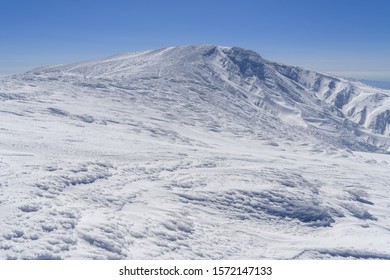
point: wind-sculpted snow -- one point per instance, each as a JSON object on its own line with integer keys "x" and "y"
{"x": 263, "y": 206}
{"x": 190, "y": 153}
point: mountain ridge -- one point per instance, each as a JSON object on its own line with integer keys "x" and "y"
{"x": 294, "y": 94}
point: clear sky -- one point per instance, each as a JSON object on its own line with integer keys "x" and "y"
{"x": 350, "y": 38}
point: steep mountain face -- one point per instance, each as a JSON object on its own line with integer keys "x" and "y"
{"x": 192, "y": 152}
{"x": 359, "y": 103}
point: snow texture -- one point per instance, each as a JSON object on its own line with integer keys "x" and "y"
{"x": 193, "y": 152}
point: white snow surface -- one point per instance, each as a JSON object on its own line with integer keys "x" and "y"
{"x": 192, "y": 152}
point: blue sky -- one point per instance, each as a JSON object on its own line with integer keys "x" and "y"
{"x": 350, "y": 38}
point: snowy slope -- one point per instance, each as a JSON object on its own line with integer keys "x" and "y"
{"x": 192, "y": 152}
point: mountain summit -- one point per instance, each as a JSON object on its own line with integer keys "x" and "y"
{"x": 192, "y": 152}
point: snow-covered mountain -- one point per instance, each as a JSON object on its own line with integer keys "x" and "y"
{"x": 192, "y": 152}
{"x": 317, "y": 102}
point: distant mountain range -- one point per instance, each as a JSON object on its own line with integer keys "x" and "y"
{"x": 378, "y": 84}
